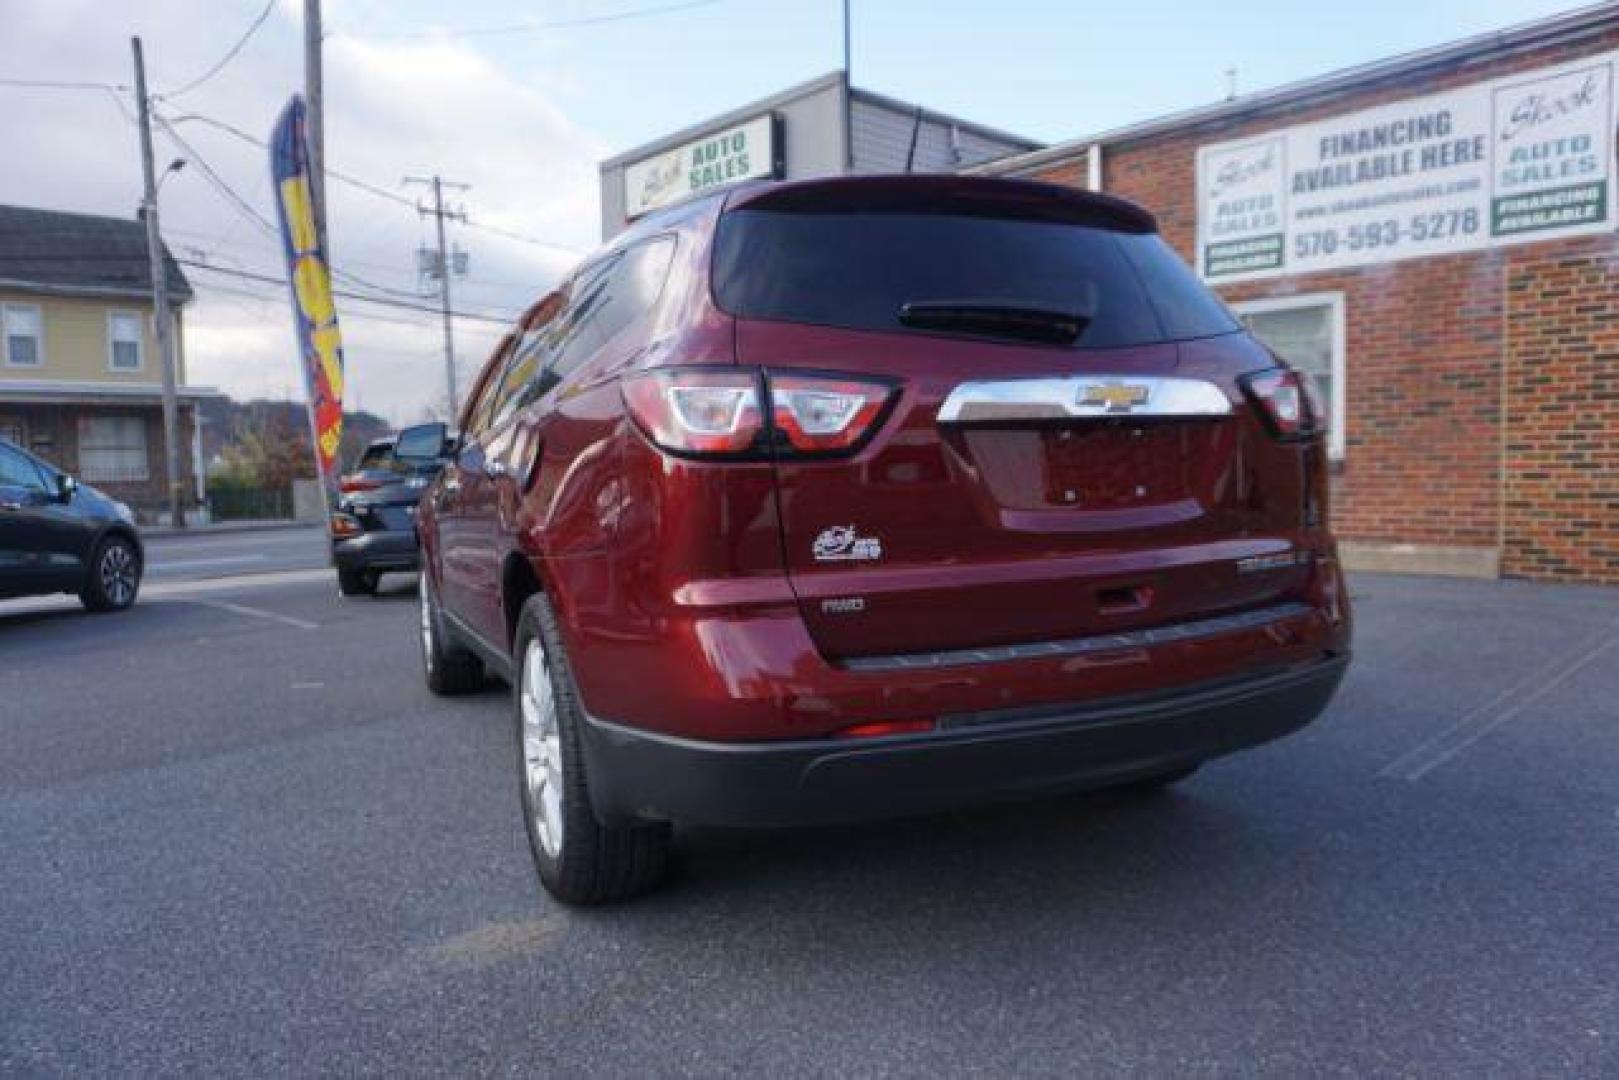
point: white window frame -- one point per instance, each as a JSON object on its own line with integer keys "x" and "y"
{"x": 138, "y": 473}
{"x": 140, "y": 342}
{"x": 5, "y": 336}
{"x": 1338, "y": 407}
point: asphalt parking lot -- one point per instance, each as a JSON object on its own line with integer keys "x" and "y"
{"x": 238, "y": 836}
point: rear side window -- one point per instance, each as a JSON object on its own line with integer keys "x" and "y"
{"x": 617, "y": 300}
{"x": 857, "y": 270}
{"x": 600, "y": 302}
{"x": 375, "y": 457}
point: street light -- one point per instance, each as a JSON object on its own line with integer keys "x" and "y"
{"x": 174, "y": 166}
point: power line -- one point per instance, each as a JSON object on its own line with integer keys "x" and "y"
{"x": 50, "y": 84}
{"x": 350, "y": 316}
{"x": 532, "y": 25}
{"x": 245, "y": 208}
{"x": 496, "y": 230}
{"x": 242, "y": 205}
{"x": 228, "y": 57}
{"x": 377, "y": 190}
{"x": 251, "y": 275}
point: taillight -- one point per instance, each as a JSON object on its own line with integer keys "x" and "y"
{"x": 738, "y": 412}
{"x": 1290, "y": 404}
{"x": 345, "y": 526}
{"x": 819, "y": 415}
{"x": 359, "y": 483}
{"x": 687, "y": 411}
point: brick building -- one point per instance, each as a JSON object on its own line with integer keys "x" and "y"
{"x": 1433, "y": 236}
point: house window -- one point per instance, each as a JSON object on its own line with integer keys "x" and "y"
{"x": 1308, "y": 332}
{"x": 112, "y": 449}
{"x": 25, "y": 338}
{"x": 125, "y": 348}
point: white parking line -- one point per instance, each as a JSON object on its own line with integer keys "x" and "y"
{"x": 193, "y": 564}
{"x": 237, "y": 583}
{"x": 258, "y": 613}
{"x": 1418, "y": 762}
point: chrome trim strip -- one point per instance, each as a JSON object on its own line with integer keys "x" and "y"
{"x": 1127, "y": 639}
{"x": 1082, "y": 397}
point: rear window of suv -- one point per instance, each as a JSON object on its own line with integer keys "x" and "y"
{"x": 857, "y": 269}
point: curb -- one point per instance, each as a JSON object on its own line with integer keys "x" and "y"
{"x": 152, "y": 532}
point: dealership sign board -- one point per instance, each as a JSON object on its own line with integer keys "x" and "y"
{"x": 743, "y": 152}
{"x": 1525, "y": 157}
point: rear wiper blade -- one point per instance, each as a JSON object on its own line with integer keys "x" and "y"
{"x": 1001, "y": 318}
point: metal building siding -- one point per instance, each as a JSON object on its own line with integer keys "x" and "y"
{"x": 882, "y": 139}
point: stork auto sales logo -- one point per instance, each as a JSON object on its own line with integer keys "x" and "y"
{"x": 659, "y": 183}
{"x": 1240, "y": 170}
{"x": 1538, "y": 108}
{"x": 1553, "y": 155}
{"x": 842, "y": 543}
{"x": 1242, "y": 198}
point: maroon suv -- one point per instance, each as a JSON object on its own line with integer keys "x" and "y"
{"x": 825, "y": 500}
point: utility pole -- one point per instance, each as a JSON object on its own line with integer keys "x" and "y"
{"x": 443, "y": 264}
{"x": 160, "y": 298}
{"x": 315, "y": 103}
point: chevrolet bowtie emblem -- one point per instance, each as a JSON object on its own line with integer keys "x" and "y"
{"x": 1114, "y": 397}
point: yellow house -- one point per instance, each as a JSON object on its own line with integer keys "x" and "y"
{"x": 81, "y": 377}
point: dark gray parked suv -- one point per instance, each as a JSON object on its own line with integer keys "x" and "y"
{"x": 374, "y": 528}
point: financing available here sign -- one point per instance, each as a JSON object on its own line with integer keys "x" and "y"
{"x": 1524, "y": 157}
{"x": 743, "y": 152}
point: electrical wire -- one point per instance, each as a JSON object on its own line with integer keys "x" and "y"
{"x": 280, "y": 301}
{"x": 252, "y": 275}
{"x": 51, "y": 84}
{"x": 229, "y": 55}
{"x": 376, "y": 190}
{"x": 533, "y": 26}
{"x": 245, "y": 208}
{"x": 241, "y": 205}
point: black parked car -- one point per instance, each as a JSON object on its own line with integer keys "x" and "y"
{"x": 60, "y": 536}
{"x": 374, "y": 529}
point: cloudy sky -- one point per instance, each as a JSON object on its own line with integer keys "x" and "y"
{"x": 521, "y": 99}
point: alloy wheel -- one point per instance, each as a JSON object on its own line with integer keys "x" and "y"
{"x": 425, "y": 597}
{"x": 119, "y": 574}
{"x": 542, "y": 747}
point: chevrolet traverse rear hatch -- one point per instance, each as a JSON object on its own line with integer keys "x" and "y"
{"x": 1022, "y": 417}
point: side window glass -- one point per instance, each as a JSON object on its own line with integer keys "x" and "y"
{"x": 627, "y": 293}
{"x": 17, "y": 471}
{"x": 478, "y": 416}
{"x": 526, "y": 376}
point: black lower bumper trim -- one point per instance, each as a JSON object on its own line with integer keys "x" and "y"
{"x": 636, "y": 774}
{"x": 383, "y": 550}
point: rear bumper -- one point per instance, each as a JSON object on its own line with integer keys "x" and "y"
{"x": 381, "y": 550}
{"x": 972, "y": 757}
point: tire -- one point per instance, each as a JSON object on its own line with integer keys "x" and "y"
{"x": 580, "y": 861}
{"x": 356, "y": 583}
{"x": 114, "y": 577}
{"x": 447, "y": 668}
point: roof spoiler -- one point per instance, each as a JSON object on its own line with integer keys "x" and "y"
{"x": 976, "y": 196}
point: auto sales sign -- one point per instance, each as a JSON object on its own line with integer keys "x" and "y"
{"x": 739, "y": 153}
{"x": 1525, "y": 157}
